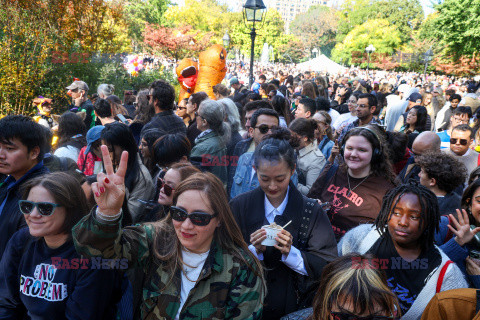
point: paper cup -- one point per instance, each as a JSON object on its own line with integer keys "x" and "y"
{"x": 271, "y": 235}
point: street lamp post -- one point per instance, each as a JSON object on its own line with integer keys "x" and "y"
{"x": 427, "y": 58}
{"x": 226, "y": 41}
{"x": 253, "y": 11}
{"x": 370, "y": 49}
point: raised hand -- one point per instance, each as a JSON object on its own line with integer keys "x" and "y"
{"x": 463, "y": 233}
{"x": 109, "y": 190}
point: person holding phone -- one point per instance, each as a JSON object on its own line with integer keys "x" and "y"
{"x": 78, "y": 90}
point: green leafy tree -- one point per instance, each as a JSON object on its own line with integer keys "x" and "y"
{"x": 140, "y": 13}
{"x": 383, "y": 36}
{"x": 455, "y": 27}
{"x": 291, "y": 52}
{"x": 317, "y": 28}
{"x": 406, "y": 15}
{"x": 270, "y": 31}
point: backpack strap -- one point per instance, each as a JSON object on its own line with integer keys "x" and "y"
{"x": 442, "y": 275}
{"x": 308, "y": 205}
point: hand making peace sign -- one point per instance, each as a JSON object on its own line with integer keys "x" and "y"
{"x": 109, "y": 190}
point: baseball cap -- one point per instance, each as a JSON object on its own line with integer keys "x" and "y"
{"x": 93, "y": 135}
{"x": 78, "y": 85}
{"x": 414, "y": 97}
{"x": 233, "y": 81}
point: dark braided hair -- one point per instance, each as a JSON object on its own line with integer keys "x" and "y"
{"x": 430, "y": 216}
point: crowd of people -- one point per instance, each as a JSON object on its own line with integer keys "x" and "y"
{"x": 302, "y": 196}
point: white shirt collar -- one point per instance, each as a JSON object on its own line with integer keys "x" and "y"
{"x": 271, "y": 212}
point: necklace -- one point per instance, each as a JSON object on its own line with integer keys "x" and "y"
{"x": 350, "y": 190}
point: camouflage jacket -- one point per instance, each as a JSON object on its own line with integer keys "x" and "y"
{"x": 226, "y": 288}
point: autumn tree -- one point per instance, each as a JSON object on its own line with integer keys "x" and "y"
{"x": 317, "y": 28}
{"x": 175, "y": 42}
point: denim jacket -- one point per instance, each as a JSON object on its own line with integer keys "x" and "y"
{"x": 243, "y": 180}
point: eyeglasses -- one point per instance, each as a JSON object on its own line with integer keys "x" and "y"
{"x": 363, "y": 105}
{"x": 44, "y": 208}
{"x": 200, "y": 219}
{"x": 349, "y": 316}
{"x": 168, "y": 190}
{"x": 263, "y": 128}
{"x": 463, "y": 142}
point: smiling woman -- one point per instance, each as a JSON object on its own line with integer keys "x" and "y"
{"x": 43, "y": 258}
{"x": 353, "y": 192}
{"x": 196, "y": 261}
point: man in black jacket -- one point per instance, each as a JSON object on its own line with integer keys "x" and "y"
{"x": 22, "y": 144}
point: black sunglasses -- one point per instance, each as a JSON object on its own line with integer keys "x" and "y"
{"x": 198, "y": 218}
{"x": 263, "y": 128}
{"x": 463, "y": 142}
{"x": 44, "y": 208}
{"x": 168, "y": 190}
{"x": 349, "y": 316}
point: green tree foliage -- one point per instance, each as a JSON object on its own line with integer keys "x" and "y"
{"x": 203, "y": 15}
{"x": 139, "y": 13}
{"x": 455, "y": 27}
{"x": 380, "y": 33}
{"x": 271, "y": 31}
{"x": 317, "y": 28}
{"x": 406, "y": 15}
{"x": 291, "y": 52}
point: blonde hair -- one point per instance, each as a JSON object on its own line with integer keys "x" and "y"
{"x": 354, "y": 278}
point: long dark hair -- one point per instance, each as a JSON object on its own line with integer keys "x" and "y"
{"x": 71, "y": 131}
{"x": 467, "y": 199}
{"x": 379, "y": 165}
{"x": 281, "y": 105}
{"x": 118, "y": 134}
{"x": 277, "y": 146}
{"x": 421, "y": 124}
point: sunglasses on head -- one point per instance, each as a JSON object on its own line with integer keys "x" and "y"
{"x": 168, "y": 190}
{"x": 463, "y": 142}
{"x": 197, "y": 218}
{"x": 349, "y": 316}
{"x": 44, "y": 208}
{"x": 263, "y": 128}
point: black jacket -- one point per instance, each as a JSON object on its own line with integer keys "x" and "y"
{"x": 288, "y": 290}
{"x": 11, "y": 219}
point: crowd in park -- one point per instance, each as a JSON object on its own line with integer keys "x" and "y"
{"x": 302, "y": 195}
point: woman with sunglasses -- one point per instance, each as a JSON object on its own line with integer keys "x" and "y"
{"x": 42, "y": 275}
{"x": 349, "y": 291}
{"x": 211, "y": 145}
{"x": 303, "y": 246}
{"x": 182, "y": 111}
{"x": 174, "y": 176}
{"x": 351, "y": 288}
{"x": 196, "y": 264}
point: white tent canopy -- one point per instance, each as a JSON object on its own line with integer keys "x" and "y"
{"x": 321, "y": 63}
